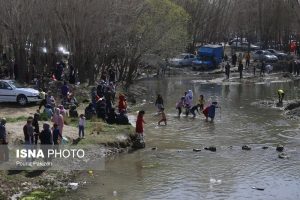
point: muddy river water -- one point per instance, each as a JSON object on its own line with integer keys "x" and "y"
{"x": 174, "y": 171}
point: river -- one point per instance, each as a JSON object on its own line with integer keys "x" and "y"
{"x": 174, "y": 171}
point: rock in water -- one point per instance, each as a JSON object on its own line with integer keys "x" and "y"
{"x": 256, "y": 188}
{"x": 212, "y": 148}
{"x": 154, "y": 148}
{"x": 265, "y": 147}
{"x": 196, "y": 150}
{"x": 138, "y": 144}
{"x": 279, "y": 148}
{"x": 246, "y": 147}
{"x": 283, "y": 156}
{"x": 292, "y": 105}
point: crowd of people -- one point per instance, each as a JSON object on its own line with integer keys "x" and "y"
{"x": 103, "y": 98}
{"x": 102, "y": 106}
{"x": 185, "y": 103}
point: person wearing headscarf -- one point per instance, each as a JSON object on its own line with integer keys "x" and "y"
{"x": 122, "y": 103}
{"x": 188, "y": 101}
{"x": 58, "y": 119}
{"x": 62, "y": 110}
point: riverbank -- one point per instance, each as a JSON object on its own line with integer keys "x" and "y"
{"x": 47, "y": 184}
{"x": 111, "y": 140}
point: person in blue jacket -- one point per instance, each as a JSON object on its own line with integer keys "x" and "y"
{"x": 210, "y": 111}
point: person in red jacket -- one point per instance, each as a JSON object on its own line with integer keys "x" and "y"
{"x": 139, "y": 128}
{"x": 122, "y": 103}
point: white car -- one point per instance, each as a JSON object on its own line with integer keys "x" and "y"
{"x": 11, "y": 91}
{"x": 244, "y": 46}
{"x": 184, "y": 59}
{"x": 262, "y": 55}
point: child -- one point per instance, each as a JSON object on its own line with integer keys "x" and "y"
{"x": 210, "y": 111}
{"x": 122, "y": 103}
{"x": 139, "y": 128}
{"x": 81, "y": 126}
{"x": 195, "y": 108}
{"x": 159, "y": 103}
{"x": 56, "y": 134}
{"x": 201, "y": 102}
{"x": 179, "y": 105}
{"x": 163, "y": 117}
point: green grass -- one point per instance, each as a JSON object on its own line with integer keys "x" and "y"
{"x": 16, "y": 119}
{"x": 99, "y": 132}
{"x": 43, "y": 194}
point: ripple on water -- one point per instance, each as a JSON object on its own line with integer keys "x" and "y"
{"x": 290, "y": 134}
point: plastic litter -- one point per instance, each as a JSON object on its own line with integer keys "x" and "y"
{"x": 73, "y": 186}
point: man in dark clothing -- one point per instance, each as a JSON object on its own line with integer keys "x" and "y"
{"x": 28, "y": 131}
{"x": 112, "y": 75}
{"x": 36, "y": 128}
{"x": 59, "y": 71}
{"x": 263, "y": 68}
{"x": 227, "y": 70}
{"x": 45, "y": 136}
{"x": 122, "y": 119}
{"x": 234, "y": 59}
{"x": 3, "y": 131}
{"x": 46, "y": 140}
{"x": 108, "y": 98}
{"x": 4, "y": 151}
{"x": 194, "y": 109}
{"x": 100, "y": 90}
{"x": 290, "y": 68}
{"x": 101, "y": 109}
{"x": 65, "y": 90}
{"x": 90, "y": 111}
{"x": 111, "y": 117}
{"x": 240, "y": 69}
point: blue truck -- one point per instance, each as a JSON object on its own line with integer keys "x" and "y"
{"x": 209, "y": 57}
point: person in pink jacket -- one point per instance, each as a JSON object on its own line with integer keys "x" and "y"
{"x": 58, "y": 119}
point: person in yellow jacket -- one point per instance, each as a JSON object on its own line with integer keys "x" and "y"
{"x": 280, "y": 95}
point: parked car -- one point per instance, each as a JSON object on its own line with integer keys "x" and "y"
{"x": 184, "y": 59}
{"x": 244, "y": 46}
{"x": 237, "y": 39}
{"x": 280, "y": 55}
{"x": 262, "y": 55}
{"x": 11, "y": 91}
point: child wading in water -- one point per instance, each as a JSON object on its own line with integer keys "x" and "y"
{"x": 201, "y": 102}
{"x": 179, "y": 105}
{"x": 163, "y": 117}
{"x": 159, "y": 103}
{"x": 81, "y": 125}
{"x": 194, "y": 109}
{"x": 210, "y": 111}
{"x": 139, "y": 128}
